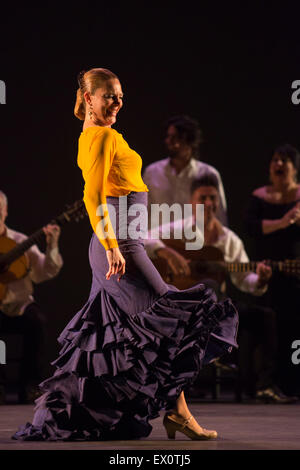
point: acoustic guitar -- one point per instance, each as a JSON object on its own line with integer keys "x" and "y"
{"x": 13, "y": 260}
{"x": 208, "y": 263}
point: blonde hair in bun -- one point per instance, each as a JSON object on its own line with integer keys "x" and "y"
{"x": 79, "y": 109}
{"x": 90, "y": 81}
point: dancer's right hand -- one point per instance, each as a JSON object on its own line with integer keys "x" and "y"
{"x": 116, "y": 263}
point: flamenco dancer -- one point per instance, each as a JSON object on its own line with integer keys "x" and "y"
{"x": 137, "y": 343}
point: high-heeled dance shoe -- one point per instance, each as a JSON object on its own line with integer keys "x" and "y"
{"x": 173, "y": 424}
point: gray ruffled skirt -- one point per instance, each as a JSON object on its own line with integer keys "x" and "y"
{"x": 130, "y": 351}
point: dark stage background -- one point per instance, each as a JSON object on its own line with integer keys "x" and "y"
{"x": 229, "y": 66}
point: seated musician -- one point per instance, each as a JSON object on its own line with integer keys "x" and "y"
{"x": 261, "y": 321}
{"x": 19, "y": 313}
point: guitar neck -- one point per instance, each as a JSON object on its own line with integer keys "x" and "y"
{"x": 286, "y": 266}
{"x": 241, "y": 267}
{"x": 75, "y": 212}
{"x": 225, "y": 266}
{"x": 210, "y": 259}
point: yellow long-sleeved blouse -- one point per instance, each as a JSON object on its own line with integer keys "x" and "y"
{"x": 109, "y": 168}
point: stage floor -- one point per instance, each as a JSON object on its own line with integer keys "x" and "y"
{"x": 240, "y": 427}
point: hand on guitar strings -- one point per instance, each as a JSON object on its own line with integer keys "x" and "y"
{"x": 176, "y": 262}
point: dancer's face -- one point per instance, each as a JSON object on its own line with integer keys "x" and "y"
{"x": 105, "y": 103}
{"x": 282, "y": 169}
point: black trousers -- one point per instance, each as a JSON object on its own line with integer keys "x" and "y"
{"x": 31, "y": 326}
{"x": 257, "y": 356}
{"x": 258, "y": 347}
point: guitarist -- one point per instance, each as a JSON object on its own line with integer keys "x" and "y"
{"x": 260, "y": 321}
{"x": 205, "y": 191}
{"x": 18, "y": 311}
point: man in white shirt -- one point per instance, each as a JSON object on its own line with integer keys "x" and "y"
{"x": 18, "y": 311}
{"x": 169, "y": 180}
{"x": 261, "y": 321}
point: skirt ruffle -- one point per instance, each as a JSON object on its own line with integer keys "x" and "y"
{"x": 115, "y": 371}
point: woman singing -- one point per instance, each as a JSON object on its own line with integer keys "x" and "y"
{"x": 137, "y": 343}
{"x": 273, "y": 220}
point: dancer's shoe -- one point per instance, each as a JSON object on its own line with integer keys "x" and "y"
{"x": 173, "y": 423}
